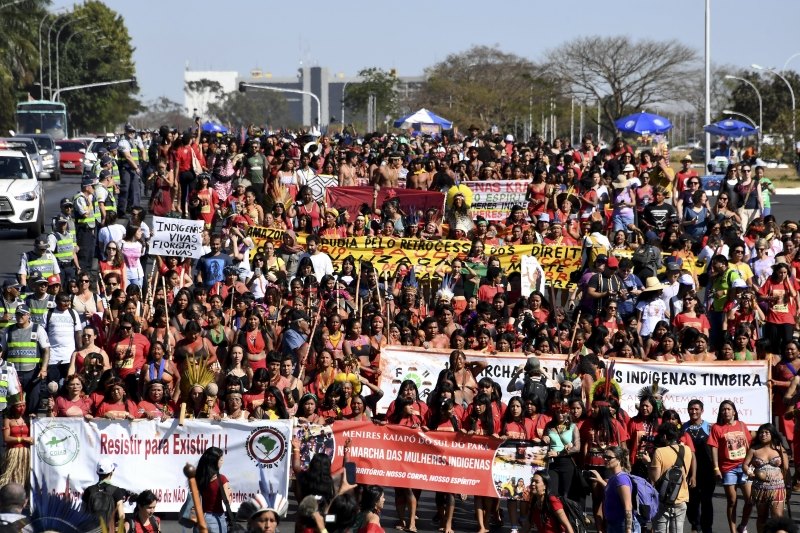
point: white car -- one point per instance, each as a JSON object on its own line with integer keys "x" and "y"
{"x": 21, "y": 192}
{"x": 92, "y": 146}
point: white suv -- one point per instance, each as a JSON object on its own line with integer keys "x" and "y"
{"x": 21, "y": 193}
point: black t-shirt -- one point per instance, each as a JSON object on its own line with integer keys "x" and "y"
{"x": 659, "y": 216}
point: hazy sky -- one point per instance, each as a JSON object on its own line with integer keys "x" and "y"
{"x": 276, "y": 37}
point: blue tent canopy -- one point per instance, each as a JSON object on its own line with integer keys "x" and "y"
{"x": 423, "y": 116}
{"x": 213, "y": 127}
{"x": 730, "y": 127}
{"x": 643, "y": 124}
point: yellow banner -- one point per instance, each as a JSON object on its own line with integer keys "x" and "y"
{"x": 385, "y": 253}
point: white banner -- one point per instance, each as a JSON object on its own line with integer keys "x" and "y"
{"x": 532, "y": 278}
{"x": 744, "y": 383}
{"x": 151, "y": 455}
{"x": 177, "y": 238}
{"x": 494, "y": 199}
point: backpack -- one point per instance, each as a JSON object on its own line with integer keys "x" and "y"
{"x": 645, "y": 499}
{"x": 595, "y": 249}
{"x": 669, "y": 484}
{"x": 641, "y": 257}
{"x": 72, "y": 314}
{"x": 132, "y": 524}
{"x": 574, "y": 514}
{"x": 100, "y": 501}
{"x": 535, "y": 390}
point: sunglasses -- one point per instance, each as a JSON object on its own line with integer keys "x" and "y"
{"x": 609, "y": 457}
{"x": 126, "y": 328}
{"x": 85, "y": 281}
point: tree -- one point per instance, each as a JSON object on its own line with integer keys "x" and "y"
{"x": 104, "y": 56}
{"x": 19, "y": 55}
{"x": 374, "y": 81}
{"x": 162, "y": 111}
{"x": 204, "y": 91}
{"x": 624, "y": 75}
{"x": 487, "y": 86}
{"x": 775, "y": 96}
{"x": 251, "y": 107}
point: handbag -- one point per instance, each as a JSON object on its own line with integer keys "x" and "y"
{"x": 196, "y": 167}
{"x": 578, "y": 481}
{"x": 187, "y": 517}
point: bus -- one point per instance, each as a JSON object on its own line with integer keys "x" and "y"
{"x": 42, "y": 116}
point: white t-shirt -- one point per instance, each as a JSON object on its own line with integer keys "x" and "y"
{"x": 61, "y": 331}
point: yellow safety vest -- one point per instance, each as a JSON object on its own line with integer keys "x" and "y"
{"x": 65, "y": 246}
{"x": 42, "y": 264}
{"x": 89, "y": 217}
{"x": 23, "y": 348}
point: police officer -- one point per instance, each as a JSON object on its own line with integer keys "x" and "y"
{"x": 9, "y": 386}
{"x": 85, "y": 222}
{"x": 131, "y": 156}
{"x": 9, "y": 304}
{"x": 67, "y": 212}
{"x": 40, "y": 301}
{"x": 113, "y": 153}
{"x": 63, "y": 246}
{"x": 104, "y": 196}
{"x": 40, "y": 260}
{"x": 28, "y": 349}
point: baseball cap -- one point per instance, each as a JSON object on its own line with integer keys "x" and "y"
{"x": 612, "y": 262}
{"x": 601, "y": 259}
{"x": 544, "y": 217}
{"x": 53, "y": 280}
{"x": 129, "y": 127}
{"x": 106, "y": 160}
{"x": 105, "y": 174}
{"x": 23, "y": 309}
{"x": 41, "y": 240}
{"x": 88, "y": 179}
{"x": 10, "y": 283}
{"x": 36, "y": 279}
{"x": 66, "y": 201}
{"x": 113, "y": 146}
{"x": 739, "y": 283}
{"x": 106, "y": 466}
{"x": 533, "y": 365}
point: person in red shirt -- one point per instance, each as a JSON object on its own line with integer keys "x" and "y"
{"x": 115, "y": 404}
{"x": 211, "y": 484}
{"x": 494, "y": 285}
{"x": 182, "y": 161}
{"x": 143, "y": 519}
{"x": 685, "y": 174}
{"x": 128, "y": 351}
{"x": 729, "y": 441}
{"x": 547, "y": 512}
{"x": 780, "y": 294}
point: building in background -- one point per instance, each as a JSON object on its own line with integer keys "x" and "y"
{"x": 302, "y": 108}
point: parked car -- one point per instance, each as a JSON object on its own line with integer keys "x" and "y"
{"x": 31, "y": 148}
{"x": 51, "y": 158}
{"x": 72, "y": 153}
{"x": 21, "y": 193}
{"x": 91, "y": 151}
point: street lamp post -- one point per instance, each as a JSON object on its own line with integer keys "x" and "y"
{"x": 58, "y": 38}
{"x": 786, "y": 63}
{"x": 760, "y": 107}
{"x": 748, "y": 119}
{"x": 791, "y": 92}
{"x": 244, "y": 86}
{"x": 89, "y": 85}
{"x": 41, "y": 58}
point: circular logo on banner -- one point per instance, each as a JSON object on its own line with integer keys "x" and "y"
{"x": 57, "y": 445}
{"x": 630, "y": 123}
{"x": 266, "y": 447}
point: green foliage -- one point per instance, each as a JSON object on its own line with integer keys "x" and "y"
{"x": 162, "y": 111}
{"x": 375, "y": 81}
{"x": 486, "y": 86}
{"x": 100, "y": 50}
{"x": 19, "y": 55}
{"x": 254, "y": 106}
{"x": 205, "y": 90}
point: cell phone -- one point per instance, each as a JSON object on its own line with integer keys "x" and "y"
{"x": 350, "y": 472}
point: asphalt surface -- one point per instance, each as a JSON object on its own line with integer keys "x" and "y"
{"x": 14, "y": 242}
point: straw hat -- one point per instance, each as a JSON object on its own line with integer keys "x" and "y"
{"x": 620, "y": 182}
{"x": 652, "y": 284}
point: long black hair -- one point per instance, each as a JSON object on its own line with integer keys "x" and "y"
{"x": 208, "y": 466}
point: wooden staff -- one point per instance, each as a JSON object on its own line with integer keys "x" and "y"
{"x": 166, "y": 307}
{"x": 190, "y": 471}
{"x": 388, "y": 302}
{"x": 358, "y": 286}
{"x": 572, "y": 341}
{"x": 378, "y": 290}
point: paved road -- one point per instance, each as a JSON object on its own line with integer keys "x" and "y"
{"x": 13, "y": 243}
